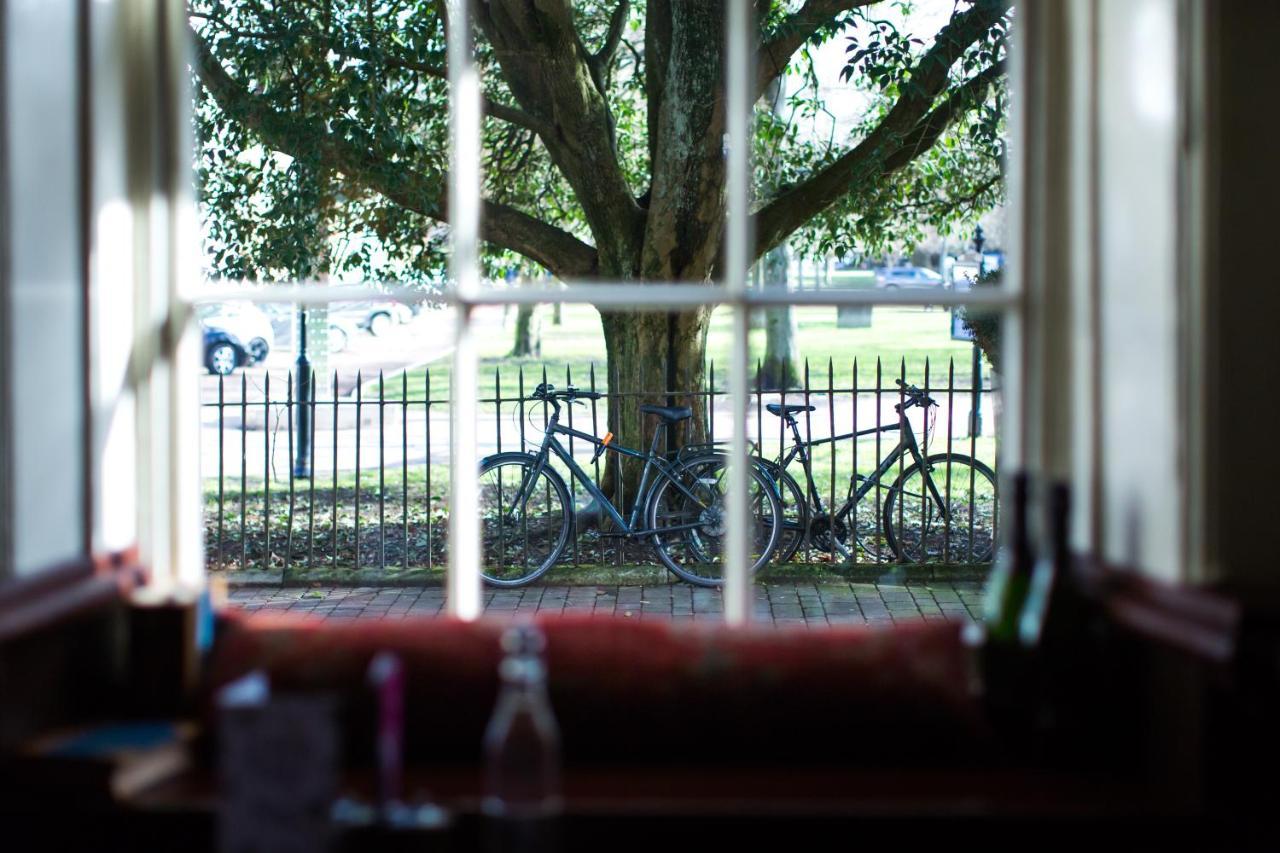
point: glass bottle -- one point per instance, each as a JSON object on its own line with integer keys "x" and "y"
{"x": 1051, "y": 571}
{"x": 1011, "y": 578}
{"x": 522, "y": 751}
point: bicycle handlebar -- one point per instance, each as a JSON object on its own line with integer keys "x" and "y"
{"x": 914, "y": 395}
{"x": 547, "y": 391}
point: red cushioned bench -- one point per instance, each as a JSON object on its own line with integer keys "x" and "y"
{"x": 645, "y": 692}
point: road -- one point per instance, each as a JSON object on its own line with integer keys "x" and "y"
{"x": 425, "y": 338}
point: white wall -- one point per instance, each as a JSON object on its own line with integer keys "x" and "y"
{"x": 45, "y": 348}
{"x": 111, "y": 309}
{"x": 1103, "y": 223}
{"x": 1142, "y": 485}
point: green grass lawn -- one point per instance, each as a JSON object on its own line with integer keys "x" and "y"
{"x": 902, "y": 339}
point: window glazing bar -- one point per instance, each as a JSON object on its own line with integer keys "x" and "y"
{"x": 738, "y": 558}
{"x": 464, "y": 600}
{"x": 992, "y": 298}
{"x": 182, "y": 270}
{"x": 613, "y": 295}
{"x": 691, "y": 295}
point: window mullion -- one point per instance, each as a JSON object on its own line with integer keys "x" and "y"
{"x": 738, "y": 558}
{"x": 464, "y": 583}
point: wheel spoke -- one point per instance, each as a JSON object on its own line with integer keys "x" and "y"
{"x": 696, "y": 553}
{"x": 915, "y": 522}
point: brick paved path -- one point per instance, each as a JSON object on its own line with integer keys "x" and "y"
{"x": 776, "y": 603}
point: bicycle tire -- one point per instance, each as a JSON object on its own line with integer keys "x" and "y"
{"x": 794, "y": 508}
{"x": 510, "y": 556}
{"x": 693, "y": 553}
{"x": 915, "y": 532}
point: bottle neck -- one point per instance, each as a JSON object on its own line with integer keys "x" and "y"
{"x": 1060, "y": 525}
{"x": 1021, "y": 554}
{"x": 522, "y": 672}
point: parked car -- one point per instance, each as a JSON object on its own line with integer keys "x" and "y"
{"x": 340, "y": 334}
{"x": 223, "y": 351}
{"x": 892, "y": 278}
{"x": 851, "y": 275}
{"x": 379, "y": 317}
{"x": 248, "y": 324}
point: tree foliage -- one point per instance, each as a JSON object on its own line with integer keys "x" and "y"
{"x": 984, "y": 324}
{"x": 323, "y": 133}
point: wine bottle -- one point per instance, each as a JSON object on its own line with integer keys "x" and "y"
{"x": 1051, "y": 571}
{"x": 1011, "y": 577}
{"x": 522, "y": 751}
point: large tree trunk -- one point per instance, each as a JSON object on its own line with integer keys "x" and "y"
{"x": 655, "y": 358}
{"x": 670, "y": 233}
{"x": 781, "y": 351}
{"x": 526, "y": 333}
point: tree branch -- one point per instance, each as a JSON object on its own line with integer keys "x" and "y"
{"x": 234, "y": 31}
{"x": 308, "y": 139}
{"x": 657, "y": 59}
{"x": 907, "y": 127}
{"x": 548, "y": 70}
{"x": 504, "y": 112}
{"x": 943, "y": 206}
{"x": 775, "y": 55}
{"x": 509, "y": 114}
{"x": 603, "y": 58}
{"x": 963, "y": 98}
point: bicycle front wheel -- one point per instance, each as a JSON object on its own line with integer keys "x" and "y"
{"x": 524, "y": 525}
{"x": 795, "y": 511}
{"x": 688, "y": 513}
{"x": 916, "y": 528}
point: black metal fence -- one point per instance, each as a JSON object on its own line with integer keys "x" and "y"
{"x": 366, "y": 487}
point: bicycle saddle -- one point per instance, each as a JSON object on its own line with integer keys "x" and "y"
{"x": 669, "y": 413}
{"x": 790, "y": 408}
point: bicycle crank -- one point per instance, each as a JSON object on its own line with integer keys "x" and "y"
{"x": 820, "y": 529}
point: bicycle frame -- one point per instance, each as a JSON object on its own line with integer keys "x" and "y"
{"x": 627, "y": 527}
{"x": 907, "y": 444}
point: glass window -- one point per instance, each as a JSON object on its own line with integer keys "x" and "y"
{"x": 628, "y": 236}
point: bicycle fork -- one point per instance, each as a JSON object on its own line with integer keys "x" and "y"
{"x": 526, "y": 485}
{"x": 926, "y": 472}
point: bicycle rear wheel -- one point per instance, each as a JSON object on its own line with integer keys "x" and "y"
{"x": 917, "y": 530}
{"x": 690, "y": 520}
{"x": 521, "y": 539}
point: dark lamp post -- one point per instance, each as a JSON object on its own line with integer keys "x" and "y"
{"x": 975, "y": 413}
{"x": 302, "y": 455}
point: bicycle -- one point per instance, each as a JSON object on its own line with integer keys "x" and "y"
{"x": 918, "y": 520}
{"x": 527, "y": 515}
